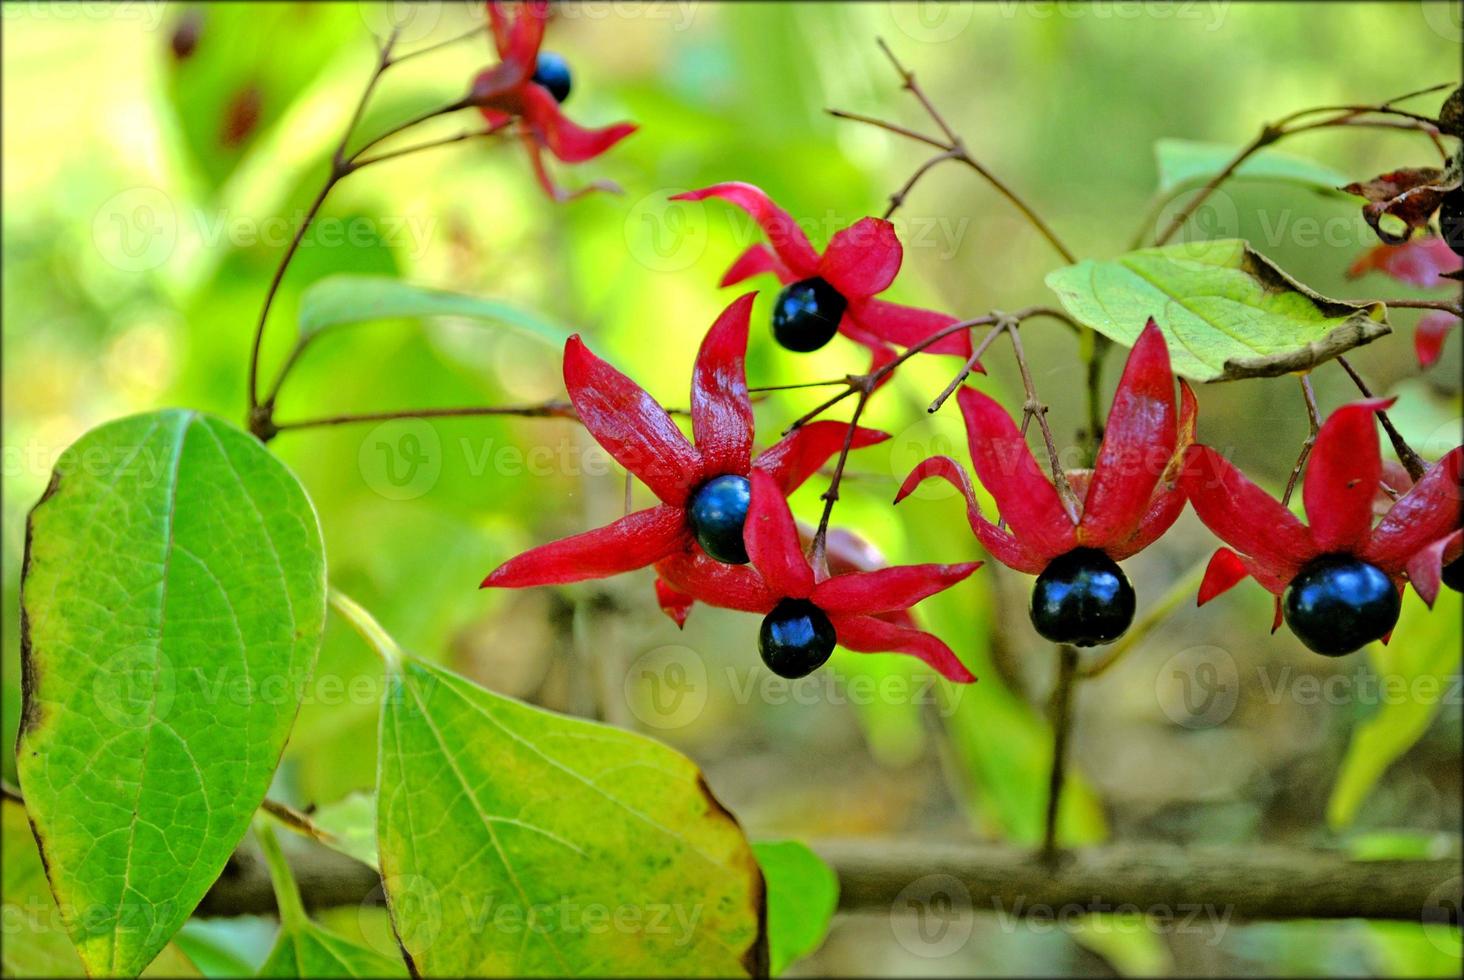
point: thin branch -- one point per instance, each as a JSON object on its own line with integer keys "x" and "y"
{"x": 1314, "y": 420}
{"x": 439, "y": 45}
{"x": 1034, "y": 408}
{"x": 1268, "y": 135}
{"x": 543, "y": 410}
{"x": 817, "y": 555}
{"x": 1061, "y": 709}
{"x": 898, "y": 197}
{"x": 1411, "y": 461}
{"x": 970, "y": 364}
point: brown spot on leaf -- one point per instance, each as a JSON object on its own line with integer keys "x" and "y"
{"x": 241, "y": 116}
{"x": 756, "y": 958}
{"x": 184, "y": 39}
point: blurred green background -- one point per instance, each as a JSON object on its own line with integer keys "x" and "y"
{"x": 148, "y": 195}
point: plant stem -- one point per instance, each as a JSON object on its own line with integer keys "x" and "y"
{"x": 970, "y": 364}
{"x": 543, "y": 410}
{"x": 817, "y": 550}
{"x": 1034, "y": 408}
{"x": 952, "y": 147}
{"x": 1314, "y": 419}
{"x": 1062, "y": 723}
{"x": 1411, "y": 461}
{"x": 1185, "y": 587}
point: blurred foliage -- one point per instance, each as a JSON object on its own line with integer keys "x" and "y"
{"x": 143, "y": 218}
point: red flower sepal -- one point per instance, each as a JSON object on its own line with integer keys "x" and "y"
{"x": 1127, "y": 501}
{"x": 507, "y": 91}
{"x": 636, "y": 431}
{"x": 844, "y": 550}
{"x": 1429, "y": 336}
{"x": 857, "y": 603}
{"x": 1420, "y": 261}
{"x": 1271, "y": 545}
{"x": 859, "y": 262}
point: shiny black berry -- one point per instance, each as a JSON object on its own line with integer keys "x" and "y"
{"x": 1451, "y": 220}
{"x": 806, "y": 314}
{"x": 552, "y": 72}
{"x": 796, "y": 638}
{"x": 1339, "y": 603}
{"x": 717, "y": 511}
{"x": 1453, "y": 575}
{"x": 1082, "y": 598}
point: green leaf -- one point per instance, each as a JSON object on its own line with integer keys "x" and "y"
{"x": 802, "y": 895}
{"x": 1226, "y": 310}
{"x": 351, "y": 824}
{"x": 1187, "y": 163}
{"x": 518, "y": 841}
{"x": 173, "y": 600}
{"x": 304, "y": 949}
{"x": 345, "y": 299}
{"x": 35, "y": 944}
{"x": 1416, "y": 667}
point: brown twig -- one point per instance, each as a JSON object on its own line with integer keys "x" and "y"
{"x": 970, "y": 364}
{"x": 1061, "y": 709}
{"x": 1314, "y": 420}
{"x": 1033, "y": 407}
{"x": 1412, "y": 462}
{"x": 953, "y": 148}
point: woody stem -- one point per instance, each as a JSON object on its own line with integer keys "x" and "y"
{"x": 1411, "y": 461}
{"x": 1061, "y": 708}
{"x": 1314, "y": 418}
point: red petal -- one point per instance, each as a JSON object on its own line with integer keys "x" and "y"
{"x": 1276, "y": 616}
{"x": 863, "y": 259}
{"x": 887, "y": 589}
{"x": 1427, "y": 512}
{"x": 630, "y": 424}
{"x": 1004, "y": 465}
{"x": 1164, "y": 510}
{"x": 1425, "y": 569}
{"x": 1430, "y": 334}
{"x": 1002, "y": 545}
{"x": 1243, "y": 515}
{"x": 1138, "y": 444}
{"x": 673, "y": 602}
{"x": 787, "y": 239}
{"x": 567, "y": 141}
{"x": 1342, "y": 477}
{"x": 1417, "y": 262}
{"x": 717, "y": 584}
{"x": 908, "y": 325}
{"x": 634, "y": 541}
{"x": 754, "y": 262}
{"x": 799, "y": 454}
{"x": 1224, "y": 571}
{"x": 555, "y": 192}
{"x": 866, "y": 634}
{"x": 721, "y": 414}
{"x": 772, "y": 540}
{"x": 517, "y": 39}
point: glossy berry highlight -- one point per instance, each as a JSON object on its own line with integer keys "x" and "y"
{"x": 717, "y": 512}
{"x": 806, "y": 314}
{"x": 552, "y": 72}
{"x": 1339, "y": 603}
{"x": 1082, "y": 598}
{"x": 796, "y": 638}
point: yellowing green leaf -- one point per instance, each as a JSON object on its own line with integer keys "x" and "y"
{"x": 35, "y": 943}
{"x": 803, "y": 892}
{"x": 1226, "y": 311}
{"x": 173, "y": 597}
{"x": 516, "y": 841}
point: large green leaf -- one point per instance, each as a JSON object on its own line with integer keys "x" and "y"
{"x": 803, "y": 892}
{"x": 1420, "y": 661}
{"x": 1225, "y": 309}
{"x": 1187, "y": 163}
{"x": 345, "y": 299}
{"x": 304, "y": 949}
{"x": 173, "y": 599}
{"x": 35, "y": 944}
{"x": 515, "y": 841}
